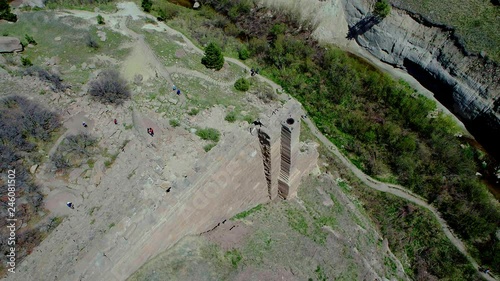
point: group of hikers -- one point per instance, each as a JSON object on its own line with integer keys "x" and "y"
{"x": 150, "y": 131}
{"x": 174, "y": 88}
{"x": 254, "y": 72}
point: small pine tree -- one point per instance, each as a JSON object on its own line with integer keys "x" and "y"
{"x": 147, "y": 5}
{"x": 213, "y": 57}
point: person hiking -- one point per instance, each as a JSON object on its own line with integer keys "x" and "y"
{"x": 84, "y": 124}
{"x": 174, "y": 88}
{"x": 178, "y": 92}
{"x": 70, "y": 205}
{"x": 116, "y": 122}
{"x": 152, "y": 132}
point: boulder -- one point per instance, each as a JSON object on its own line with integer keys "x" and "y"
{"x": 33, "y": 168}
{"x": 58, "y": 38}
{"x": 10, "y": 44}
{"x": 196, "y": 5}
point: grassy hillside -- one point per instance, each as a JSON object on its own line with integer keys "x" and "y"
{"x": 476, "y": 21}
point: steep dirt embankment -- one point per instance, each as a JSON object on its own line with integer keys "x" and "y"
{"x": 465, "y": 83}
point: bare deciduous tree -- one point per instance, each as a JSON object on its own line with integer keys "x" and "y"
{"x": 109, "y": 87}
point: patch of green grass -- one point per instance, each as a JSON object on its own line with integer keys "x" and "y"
{"x": 231, "y": 117}
{"x": 209, "y": 146}
{"x": 249, "y": 118}
{"x": 128, "y": 126}
{"x": 245, "y": 214}
{"x": 208, "y": 134}
{"x": 71, "y": 49}
{"x": 174, "y": 123}
{"x": 111, "y": 225}
{"x": 106, "y": 6}
{"x": 297, "y": 221}
{"x": 91, "y": 163}
{"x": 193, "y": 111}
{"x": 234, "y": 256}
{"x": 92, "y": 221}
{"x": 320, "y": 274}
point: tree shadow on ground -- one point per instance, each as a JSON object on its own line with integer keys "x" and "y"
{"x": 362, "y": 26}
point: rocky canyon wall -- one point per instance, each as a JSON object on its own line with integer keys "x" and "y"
{"x": 467, "y": 84}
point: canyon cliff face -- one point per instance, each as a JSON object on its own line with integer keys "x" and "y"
{"x": 468, "y": 84}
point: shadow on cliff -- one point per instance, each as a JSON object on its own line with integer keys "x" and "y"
{"x": 362, "y": 26}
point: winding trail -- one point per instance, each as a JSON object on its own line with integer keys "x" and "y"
{"x": 164, "y": 71}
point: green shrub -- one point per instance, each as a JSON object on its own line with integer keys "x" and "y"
{"x": 278, "y": 29}
{"x": 234, "y": 256}
{"x": 208, "y": 134}
{"x": 242, "y": 84}
{"x": 249, "y": 119}
{"x": 100, "y": 19}
{"x": 243, "y": 53}
{"x": 213, "y": 58}
{"x": 146, "y": 5}
{"x": 230, "y": 117}
{"x": 174, "y": 123}
{"x": 30, "y": 39}
{"x": 382, "y": 8}
{"x": 26, "y": 61}
{"x": 245, "y": 214}
{"x": 167, "y": 13}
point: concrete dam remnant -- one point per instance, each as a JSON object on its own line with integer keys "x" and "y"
{"x": 280, "y": 146}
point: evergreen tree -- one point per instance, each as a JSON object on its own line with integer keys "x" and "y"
{"x": 5, "y": 13}
{"x": 213, "y": 57}
{"x": 146, "y": 5}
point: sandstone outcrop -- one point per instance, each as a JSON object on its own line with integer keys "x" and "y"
{"x": 10, "y": 44}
